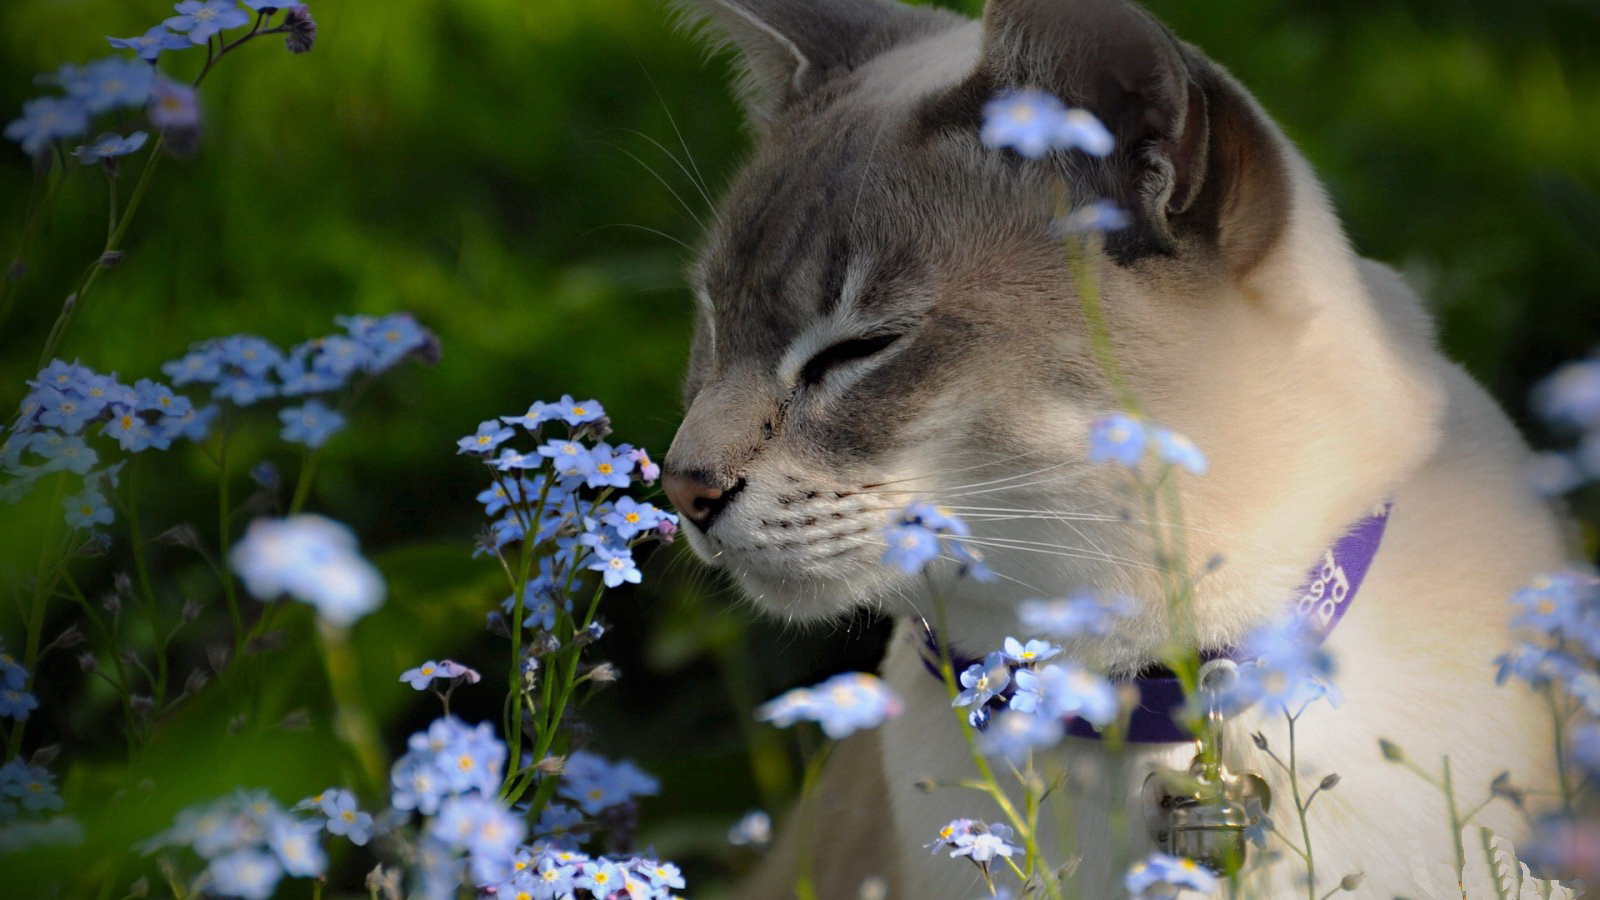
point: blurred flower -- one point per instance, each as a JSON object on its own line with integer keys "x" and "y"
{"x": 174, "y": 109}
{"x": 300, "y": 30}
{"x": 16, "y": 703}
{"x": 311, "y": 424}
{"x": 1012, "y": 734}
{"x": 1085, "y": 613}
{"x": 296, "y": 846}
{"x": 1571, "y": 395}
{"x": 312, "y": 559}
{"x": 1287, "y": 668}
{"x": 87, "y": 509}
{"x": 1034, "y": 122}
{"x": 150, "y": 44}
{"x": 842, "y": 705}
{"x": 595, "y": 783}
{"x": 247, "y": 873}
{"x": 754, "y": 828}
{"x": 982, "y": 845}
{"x": 344, "y": 818}
{"x": 1160, "y": 875}
{"x": 46, "y": 119}
{"x": 109, "y": 146}
{"x": 1101, "y": 215}
{"x": 1118, "y": 438}
{"x": 112, "y": 82}
{"x": 920, "y": 531}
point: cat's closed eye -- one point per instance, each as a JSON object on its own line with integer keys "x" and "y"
{"x": 841, "y": 353}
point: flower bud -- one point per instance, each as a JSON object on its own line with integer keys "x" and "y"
{"x": 17, "y": 271}
{"x": 70, "y": 638}
{"x": 551, "y": 765}
{"x": 296, "y": 720}
{"x": 142, "y": 703}
{"x": 217, "y": 656}
{"x": 496, "y": 623}
{"x": 1352, "y": 881}
{"x": 180, "y": 535}
{"x": 1391, "y": 751}
{"x": 300, "y": 29}
{"x": 604, "y": 673}
{"x": 87, "y": 663}
{"x": 384, "y": 882}
{"x": 196, "y": 680}
{"x": 1260, "y": 740}
{"x": 111, "y": 258}
{"x": 1329, "y": 783}
{"x": 191, "y": 610}
{"x": 140, "y": 887}
{"x": 123, "y": 584}
{"x": 44, "y": 756}
{"x": 111, "y": 602}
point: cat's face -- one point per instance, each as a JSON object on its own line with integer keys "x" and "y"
{"x": 884, "y": 315}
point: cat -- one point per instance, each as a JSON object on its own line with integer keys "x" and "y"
{"x": 884, "y": 315}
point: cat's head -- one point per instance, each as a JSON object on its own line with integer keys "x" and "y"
{"x": 885, "y": 314}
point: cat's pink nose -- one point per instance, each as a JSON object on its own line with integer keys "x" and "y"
{"x": 695, "y": 497}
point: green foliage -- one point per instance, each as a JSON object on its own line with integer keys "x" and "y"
{"x": 523, "y": 176}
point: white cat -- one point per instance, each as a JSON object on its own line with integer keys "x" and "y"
{"x": 885, "y": 316}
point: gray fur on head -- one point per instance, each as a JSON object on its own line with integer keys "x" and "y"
{"x": 882, "y": 295}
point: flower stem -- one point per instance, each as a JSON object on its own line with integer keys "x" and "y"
{"x": 1448, "y": 786}
{"x": 1300, "y": 810}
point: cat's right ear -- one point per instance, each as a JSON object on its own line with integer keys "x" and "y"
{"x": 788, "y": 48}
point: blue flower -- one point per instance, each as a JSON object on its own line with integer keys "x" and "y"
{"x": 1584, "y": 746}
{"x": 754, "y": 829}
{"x": 297, "y": 848}
{"x": 345, "y": 818}
{"x": 952, "y": 832}
{"x": 1081, "y": 614}
{"x": 1555, "y": 605}
{"x": 1101, "y": 215}
{"x": 246, "y": 873}
{"x": 45, "y": 119}
{"x": 983, "y": 680}
{"x": 577, "y": 413}
{"x": 1013, "y": 734}
{"x": 203, "y": 19}
{"x": 1177, "y": 450}
{"x": 1584, "y": 686}
{"x": 516, "y": 461}
{"x": 911, "y": 547}
{"x": 1070, "y": 690}
{"x": 1160, "y": 875}
{"x": 982, "y": 845}
{"x": 311, "y": 424}
{"x": 421, "y": 678}
{"x": 600, "y": 877}
{"x": 538, "y": 413}
{"x": 1033, "y": 651}
{"x": 1118, "y": 438}
{"x": 111, "y": 83}
{"x": 12, "y": 673}
{"x": 244, "y": 389}
{"x": 203, "y": 365}
{"x": 842, "y": 705}
{"x": 1287, "y": 669}
{"x": 255, "y": 356}
{"x": 1571, "y": 395}
{"x": 69, "y": 454}
{"x": 570, "y": 458}
{"x": 1025, "y": 121}
{"x": 608, "y": 468}
{"x": 193, "y": 424}
{"x": 87, "y": 509}
{"x": 109, "y": 146}
{"x": 630, "y": 517}
{"x": 312, "y": 559}
{"x": 130, "y": 429}
{"x": 388, "y": 339}
{"x": 150, "y": 44}
{"x": 615, "y": 566}
{"x": 299, "y": 379}
{"x": 1079, "y": 129}
{"x": 1536, "y": 665}
{"x": 595, "y": 783}
{"x": 16, "y": 703}
{"x": 154, "y": 397}
{"x": 490, "y": 434}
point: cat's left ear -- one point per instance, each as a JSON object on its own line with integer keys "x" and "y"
{"x": 787, "y": 48}
{"x": 1195, "y": 159}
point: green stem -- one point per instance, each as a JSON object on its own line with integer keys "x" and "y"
{"x": 1300, "y": 810}
{"x": 302, "y": 487}
{"x": 1488, "y": 855}
{"x": 1455, "y": 828}
{"x": 152, "y": 608}
{"x": 225, "y": 536}
{"x": 351, "y": 721}
{"x": 804, "y": 882}
{"x": 1559, "y": 737}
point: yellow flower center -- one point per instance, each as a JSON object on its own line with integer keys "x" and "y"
{"x": 631, "y": 518}
{"x": 605, "y": 468}
{"x": 579, "y": 411}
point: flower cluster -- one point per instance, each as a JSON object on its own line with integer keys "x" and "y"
{"x": 1161, "y": 877}
{"x": 1569, "y": 399}
{"x": 112, "y": 84}
{"x": 248, "y": 843}
{"x": 1125, "y": 439}
{"x": 1286, "y": 668}
{"x": 1022, "y": 701}
{"x": 1561, "y": 615}
{"x": 565, "y": 491}
{"x": 842, "y": 705}
{"x": 312, "y": 559}
{"x": 245, "y": 369}
{"x": 918, "y": 535}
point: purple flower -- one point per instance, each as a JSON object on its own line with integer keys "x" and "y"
{"x": 150, "y": 44}
{"x": 203, "y": 19}
{"x": 648, "y": 471}
{"x": 174, "y": 108}
{"x": 46, "y": 119}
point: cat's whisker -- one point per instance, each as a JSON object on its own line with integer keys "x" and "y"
{"x": 687, "y": 173}
{"x": 654, "y": 231}
{"x": 664, "y": 183}
{"x": 696, "y": 178}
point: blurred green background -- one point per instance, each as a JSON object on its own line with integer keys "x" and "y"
{"x": 517, "y": 173}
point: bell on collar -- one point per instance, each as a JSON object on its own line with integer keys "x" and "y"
{"x": 1202, "y": 814}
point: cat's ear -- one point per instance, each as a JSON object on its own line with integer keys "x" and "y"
{"x": 1194, "y": 155}
{"x": 786, "y": 48}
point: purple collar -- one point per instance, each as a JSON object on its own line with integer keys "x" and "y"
{"x": 1321, "y": 601}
